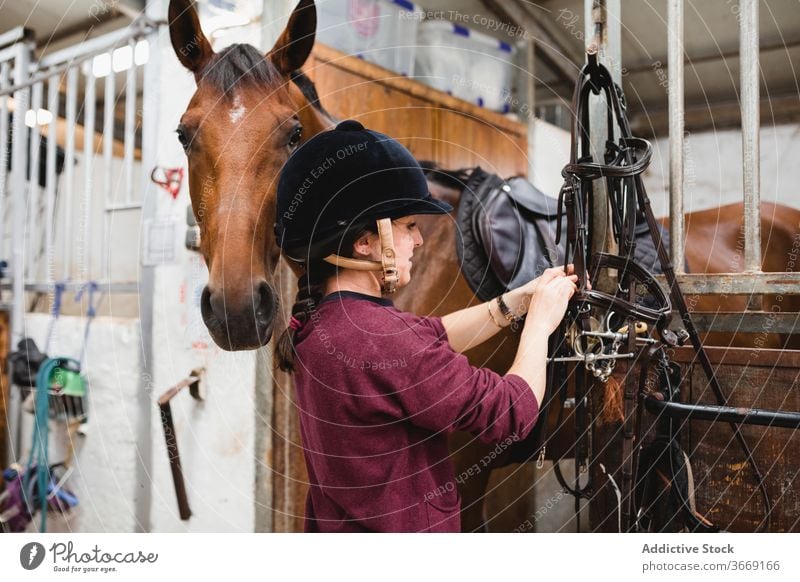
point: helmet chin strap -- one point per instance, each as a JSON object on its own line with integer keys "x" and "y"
{"x": 386, "y": 264}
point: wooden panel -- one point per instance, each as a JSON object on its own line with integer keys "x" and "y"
{"x": 725, "y": 489}
{"x": 5, "y": 389}
{"x": 467, "y": 142}
{"x": 432, "y": 124}
{"x": 285, "y": 459}
{"x": 408, "y": 119}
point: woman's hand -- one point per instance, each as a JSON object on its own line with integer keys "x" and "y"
{"x": 519, "y": 300}
{"x": 551, "y": 292}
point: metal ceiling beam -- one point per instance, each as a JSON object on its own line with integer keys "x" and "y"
{"x": 548, "y": 48}
{"x": 711, "y": 58}
{"x": 717, "y": 115}
{"x": 643, "y": 68}
{"x": 83, "y": 29}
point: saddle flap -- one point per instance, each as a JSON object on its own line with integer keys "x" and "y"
{"x": 531, "y": 198}
{"x": 499, "y": 227}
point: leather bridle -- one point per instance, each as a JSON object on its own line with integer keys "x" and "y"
{"x": 624, "y": 161}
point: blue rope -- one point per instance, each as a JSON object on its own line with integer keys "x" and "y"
{"x": 92, "y": 287}
{"x": 55, "y": 311}
{"x": 40, "y": 441}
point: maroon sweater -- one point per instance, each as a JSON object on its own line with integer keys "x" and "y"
{"x": 378, "y": 391}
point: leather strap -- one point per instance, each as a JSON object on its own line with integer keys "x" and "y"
{"x": 355, "y": 264}
{"x": 387, "y": 255}
{"x": 386, "y": 264}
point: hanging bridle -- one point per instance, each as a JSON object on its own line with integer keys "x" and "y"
{"x": 624, "y": 161}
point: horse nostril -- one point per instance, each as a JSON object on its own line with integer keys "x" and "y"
{"x": 205, "y": 303}
{"x": 265, "y": 308}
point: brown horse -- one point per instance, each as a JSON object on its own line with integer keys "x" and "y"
{"x": 715, "y": 244}
{"x": 247, "y": 115}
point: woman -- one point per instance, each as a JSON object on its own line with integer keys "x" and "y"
{"x": 378, "y": 390}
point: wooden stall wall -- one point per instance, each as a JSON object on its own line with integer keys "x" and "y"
{"x": 434, "y": 126}
{"x": 5, "y": 389}
{"x": 725, "y": 489}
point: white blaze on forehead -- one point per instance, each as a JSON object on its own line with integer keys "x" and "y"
{"x": 237, "y": 111}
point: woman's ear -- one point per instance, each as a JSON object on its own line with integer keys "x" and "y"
{"x": 363, "y": 245}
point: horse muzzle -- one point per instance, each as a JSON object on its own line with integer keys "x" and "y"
{"x": 239, "y": 321}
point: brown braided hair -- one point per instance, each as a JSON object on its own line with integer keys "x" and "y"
{"x": 310, "y": 291}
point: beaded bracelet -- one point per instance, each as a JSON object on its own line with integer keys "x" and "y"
{"x": 504, "y": 309}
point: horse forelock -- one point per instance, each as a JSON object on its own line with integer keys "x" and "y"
{"x": 237, "y": 65}
{"x": 244, "y": 64}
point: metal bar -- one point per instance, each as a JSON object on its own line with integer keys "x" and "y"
{"x": 69, "y": 169}
{"x": 758, "y": 322}
{"x": 109, "y": 103}
{"x": 24, "y": 50}
{"x": 771, "y": 358}
{"x": 91, "y": 47}
{"x": 58, "y": 65}
{"x": 50, "y": 190}
{"x": 529, "y": 102}
{"x": 33, "y": 183}
{"x": 105, "y": 286}
{"x": 7, "y": 54}
{"x": 5, "y": 153}
{"x": 713, "y": 413}
{"x": 174, "y": 460}
{"x": 18, "y": 167}
{"x": 737, "y": 283}
{"x": 677, "y": 225}
{"x": 122, "y": 207}
{"x": 592, "y": 358}
{"x": 646, "y": 66}
{"x": 192, "y": 382}
{"x": 88, "y": 177}
{"x": 749, "y": 79}
{"x": 150, "y": 117}
{"x": 15, "y": 35}
{"x": 130, "y": 128}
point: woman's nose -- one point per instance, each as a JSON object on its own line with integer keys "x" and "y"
{"x": 418, "y": 239}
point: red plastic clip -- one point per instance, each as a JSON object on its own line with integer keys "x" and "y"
{"x": 171, "y": 181}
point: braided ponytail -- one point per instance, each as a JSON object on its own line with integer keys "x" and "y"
{"x": 310, "y": 291}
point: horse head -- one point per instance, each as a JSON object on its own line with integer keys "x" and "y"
{"x": 248, "y": 113}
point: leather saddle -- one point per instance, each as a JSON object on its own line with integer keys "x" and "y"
{"x": 506, "y": 234}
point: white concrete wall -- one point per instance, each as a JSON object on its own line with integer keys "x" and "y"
{"x": 216, "y": 438}
{"x": 105, "y": 459}
{"x": 122, "y": 475}
{"x": 712, "y": 166}
{"x": 548, "y": 153}
{"x": 713, "y": 169}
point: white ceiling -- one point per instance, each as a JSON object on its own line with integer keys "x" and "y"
{"x": 50, "y": 19}
{"x": 711, "y": 40}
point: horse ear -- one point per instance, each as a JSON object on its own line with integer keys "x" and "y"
{"x": 296, "y": 41}
{"x": 190, "y": 44}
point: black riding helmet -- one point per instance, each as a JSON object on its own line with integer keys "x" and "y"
{"x": 346, "y": 179}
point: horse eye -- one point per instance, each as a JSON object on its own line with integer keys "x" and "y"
{"x": 182, "y": 138}
{"x": 296, "y": 134}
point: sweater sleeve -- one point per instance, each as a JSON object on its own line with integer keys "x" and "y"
{"x": 442, "y": 391}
